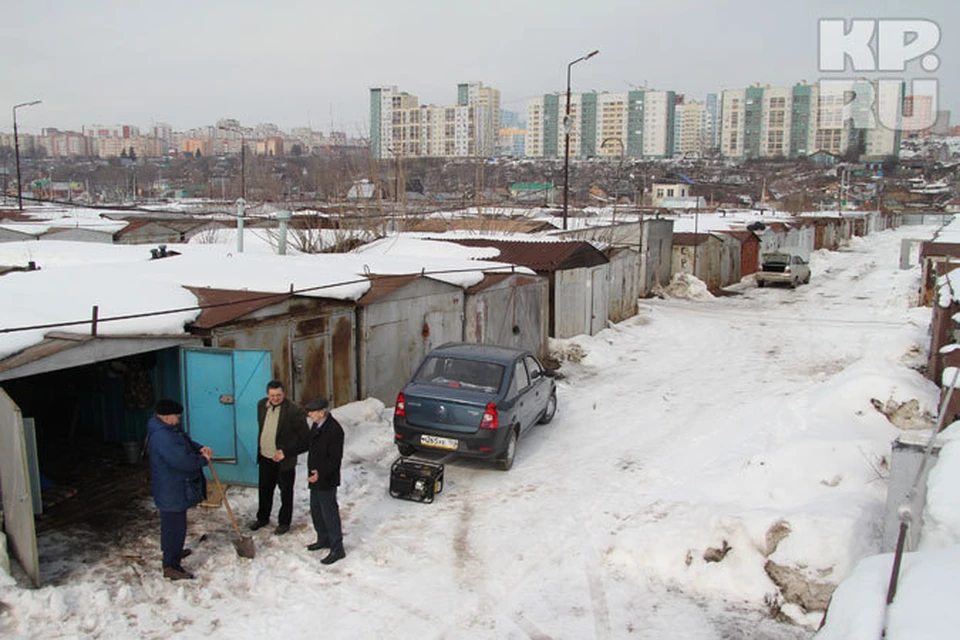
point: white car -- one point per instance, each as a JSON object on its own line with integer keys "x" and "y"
{"x": 783, "y": 267}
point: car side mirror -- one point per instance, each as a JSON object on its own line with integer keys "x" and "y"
{"x": 550, "y": 373}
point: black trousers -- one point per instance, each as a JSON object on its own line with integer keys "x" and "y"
{"x": 173, "y": 531}
{"x": 270, "y": 477}
{"x": 326, "y": 517}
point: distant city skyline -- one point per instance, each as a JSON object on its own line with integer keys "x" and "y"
{"x": 295, "y": 64}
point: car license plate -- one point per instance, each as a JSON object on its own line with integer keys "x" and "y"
{"x": 440, "y": 443}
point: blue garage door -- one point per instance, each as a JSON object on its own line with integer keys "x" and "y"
{"x": 221, "y": 388}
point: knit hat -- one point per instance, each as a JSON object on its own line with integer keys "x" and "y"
{"x": 316, "y": 405}
{"x": 168, "y": 407}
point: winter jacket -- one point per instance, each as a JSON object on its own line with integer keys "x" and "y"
{"x": 325, "y": 453}
{"x": 176, "y": 467}
{"x": 292, "y": 431}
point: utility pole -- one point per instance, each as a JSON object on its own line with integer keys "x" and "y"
{"x": 16, "y": 147}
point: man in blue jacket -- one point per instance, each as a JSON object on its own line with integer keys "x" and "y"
{"x": 176, "y": 475}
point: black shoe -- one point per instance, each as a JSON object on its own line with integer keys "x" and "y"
{"x": 319, "y": 544}
{"x": 185, "y": 553}
{"x": 177, "y": 572}
{"x": 333, "y": 556}
{"x": 258, "y": 524}
{"x": 281, "y": 529}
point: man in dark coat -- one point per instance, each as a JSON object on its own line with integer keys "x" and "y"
{"x": 323, "y": 463}
{"x": 283, "y": 436}
{"x": 176, "y": 477}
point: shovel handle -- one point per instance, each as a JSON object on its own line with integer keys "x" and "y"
{"x": 226, "y": 503}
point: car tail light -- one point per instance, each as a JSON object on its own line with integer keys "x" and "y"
{"x": 490, "y": 419}
{"x": 400, "y": 409}
{"x": 786, "y": 269}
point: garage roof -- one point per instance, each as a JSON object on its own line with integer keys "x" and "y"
{"x": 61, "y": 350}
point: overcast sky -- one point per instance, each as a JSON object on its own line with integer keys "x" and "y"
{"x": 299, "y": 62}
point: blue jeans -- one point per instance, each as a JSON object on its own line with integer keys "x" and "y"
{"x": 326, "y": 517}
{"x": 173, "y": 532}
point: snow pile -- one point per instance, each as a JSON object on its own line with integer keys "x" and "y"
{"x": 923, "y": 606}
{"x": 684, "y": 286}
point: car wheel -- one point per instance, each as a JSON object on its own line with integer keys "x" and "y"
{"x": 793, "y": 283}
{"x": 406, "y": 449}
{"x": 506, "y": 462}
{"x": 551, "y": 408}
{"x": 807, "y": 279}
{"x": 760, "y": 283}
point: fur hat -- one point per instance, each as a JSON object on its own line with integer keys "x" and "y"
{"x": 168, "y": 407}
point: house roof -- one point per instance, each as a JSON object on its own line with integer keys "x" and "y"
{"x": 681, "y": 176}
{"x": 541, "y": 256}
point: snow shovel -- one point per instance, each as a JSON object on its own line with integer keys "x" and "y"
{"x": 244, "y": 545}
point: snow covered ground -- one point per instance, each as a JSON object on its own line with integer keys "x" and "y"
{"x": 740, "y": 428}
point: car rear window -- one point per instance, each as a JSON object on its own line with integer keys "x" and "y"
{"x": 777, "y": 258}
{"x": 460, "y": 373}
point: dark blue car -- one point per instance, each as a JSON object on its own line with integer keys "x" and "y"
{"x": 475, "y": 400}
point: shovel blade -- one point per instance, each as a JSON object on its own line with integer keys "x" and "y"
{"x": 245, "y": 547}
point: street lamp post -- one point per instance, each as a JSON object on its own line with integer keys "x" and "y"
{"x": 16, "y": 147}
{"x": 566, "y": 138}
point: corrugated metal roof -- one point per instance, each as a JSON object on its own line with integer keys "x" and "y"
{"x": 61, "y": 350}
{"x": 226, "y": 305}
{"x": 382, "y": 286}
{"x": 491, "y": 279}
{"x": 541, "y": 256}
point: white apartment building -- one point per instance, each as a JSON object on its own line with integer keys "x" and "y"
{"x": 401, "y": 127}
{"x": 733, "y": 104}
{"x": 832, "y": 116}
{"x": 488, "y": 114}
{"x": 690, "y": 134}
{"x": 775, "y": 120}
{"x": 833, "y": 128}
{"x": 883, "y": 138}
{"x": 611, "y": 130}
{"x": 546, "y": 135}
{"x": 658, "y": 124}
{"x": 635, "y": 124}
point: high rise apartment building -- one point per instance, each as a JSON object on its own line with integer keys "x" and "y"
{"x": 635, "y": 124}
{"x": 690, "y": 134}
{"x": 832, "y": 116}
{"x": 401, "y": 127}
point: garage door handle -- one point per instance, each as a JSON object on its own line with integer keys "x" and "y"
{"x": 226, "y": 399}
